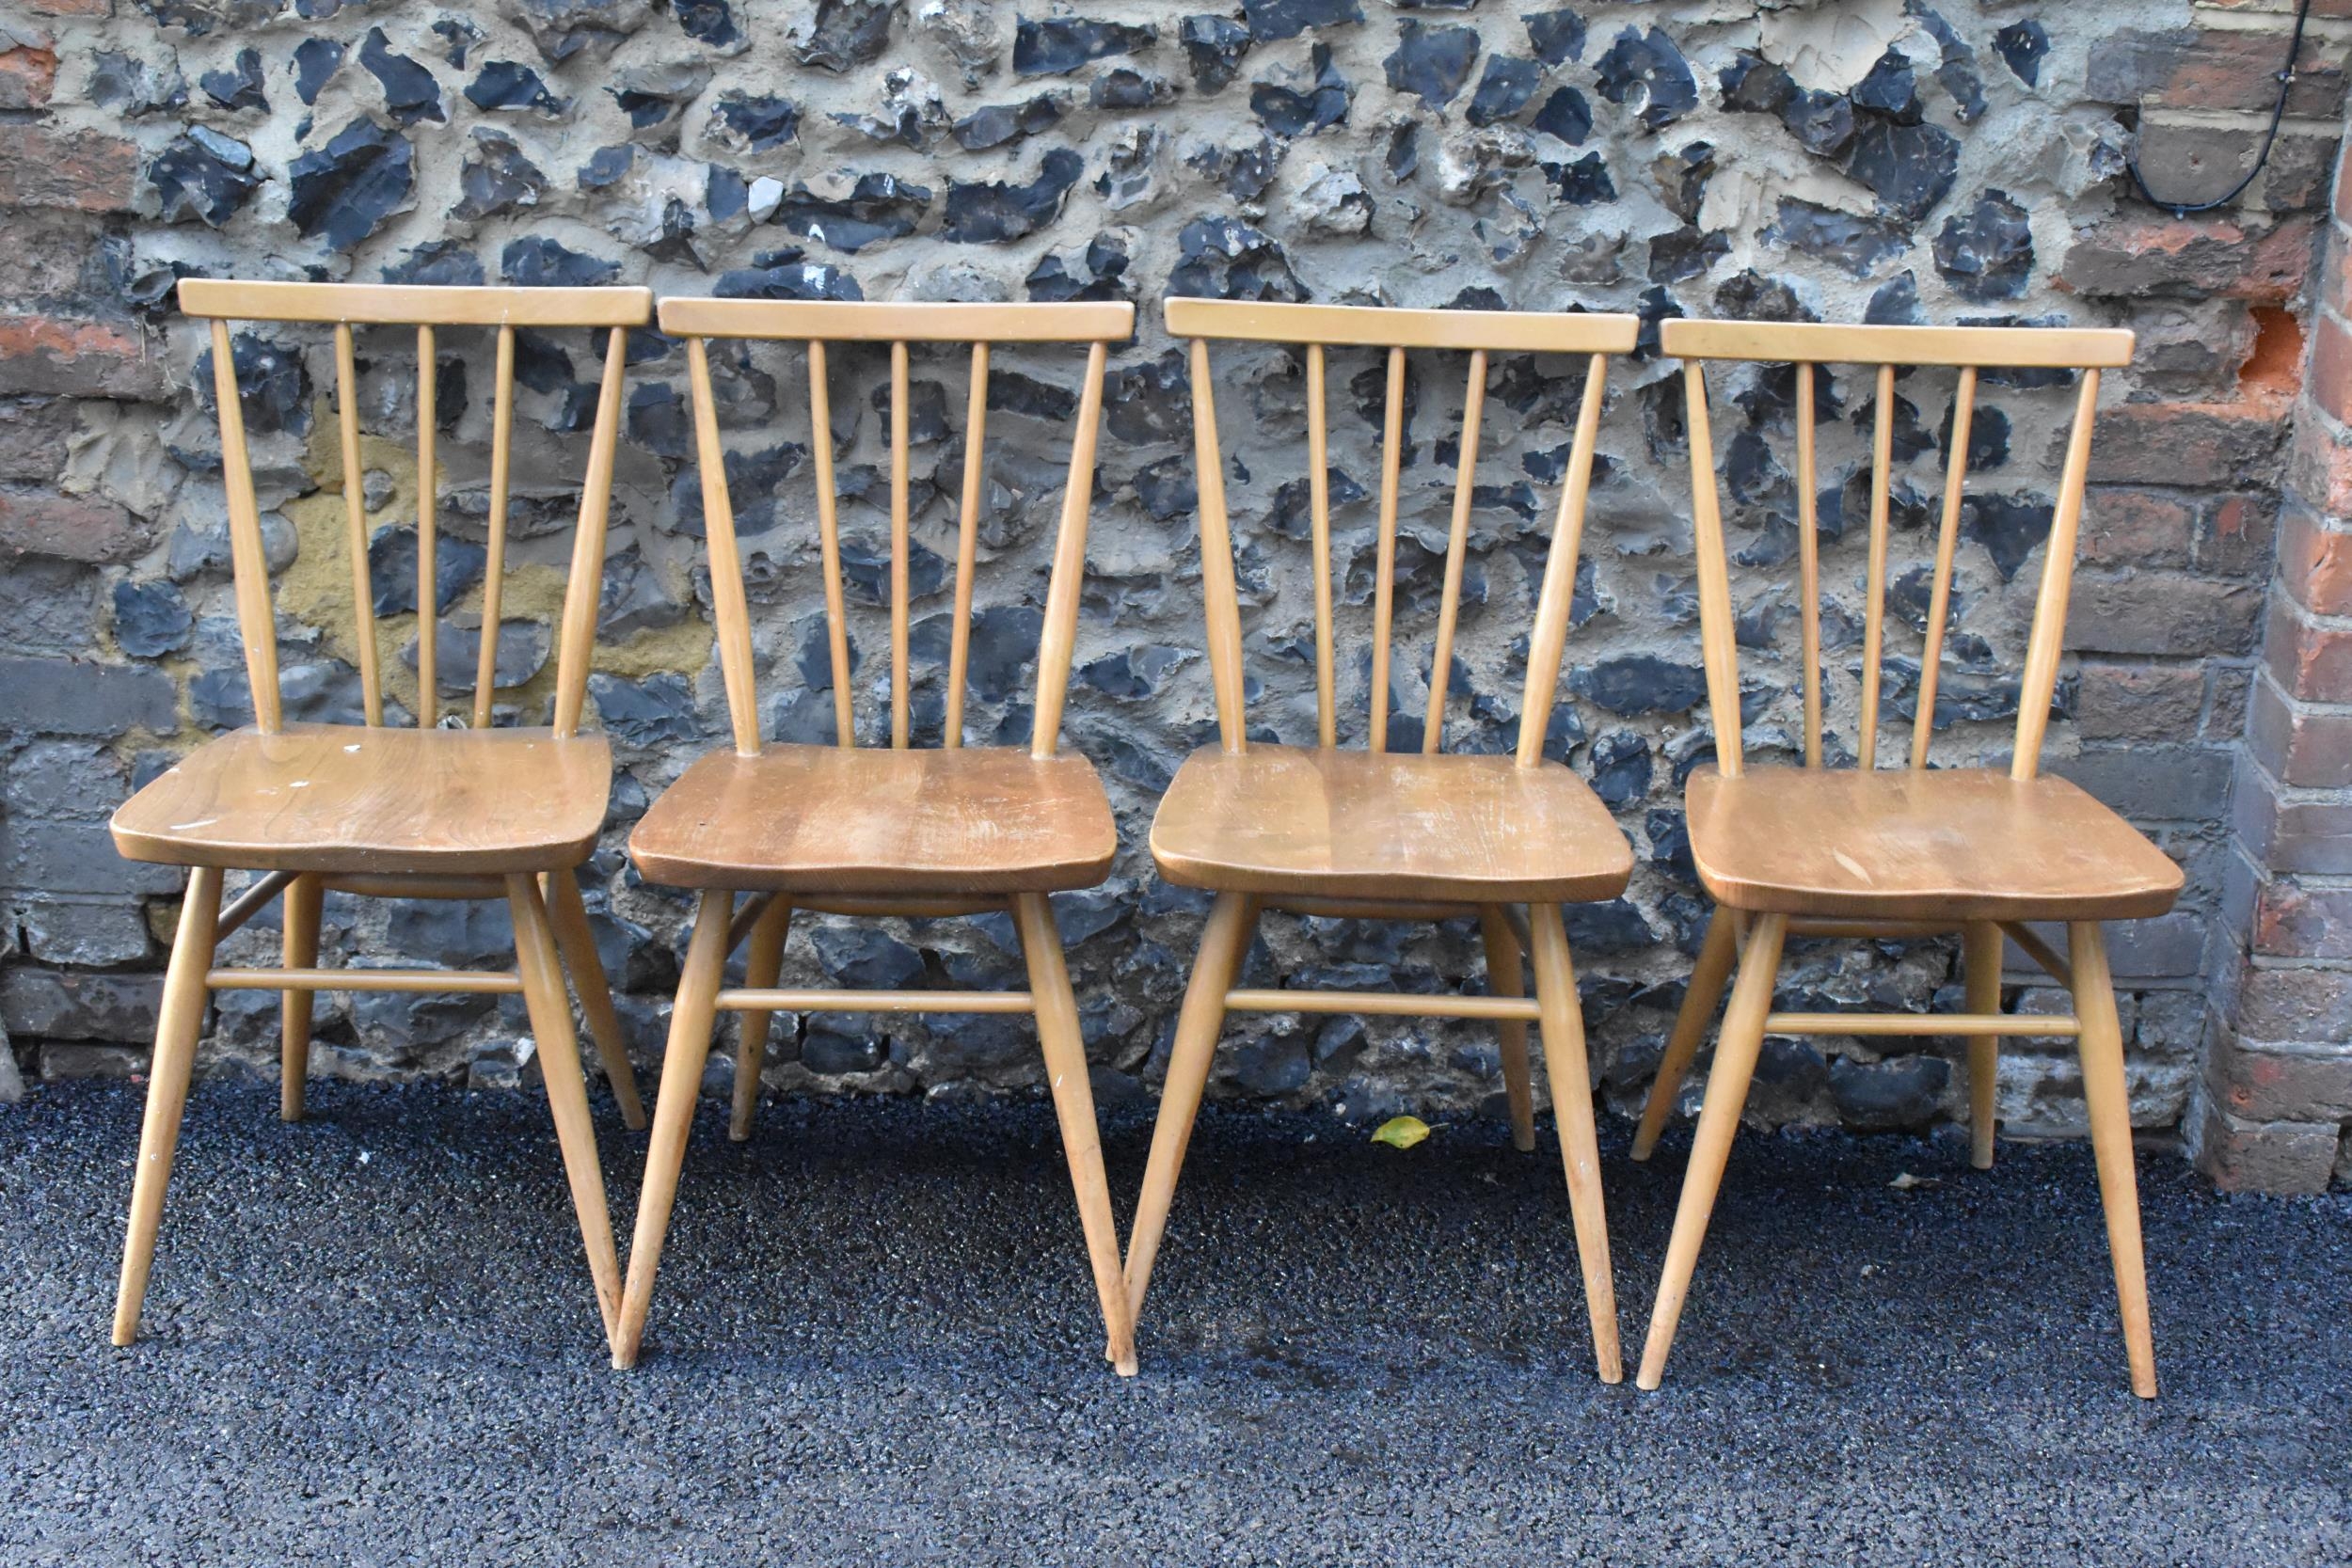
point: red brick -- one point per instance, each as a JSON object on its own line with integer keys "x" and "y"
{"x": 2315, "y": 561}
{"x": 2134, "y": 527}
{"x": 2327, "y": 382}
{"x": 2312, "y": 660}
{"x": 2319, "y": 469}
{"x": 2284, "y": 1086}
{"x": 34, "y": 434}
{"x": 71, "y": 7}
{"x": 2197, "y": 161}
{"x": 83, "y": 169}
{"x": 2296, "y": 921}
{"x": 2265, "y": 1156}
{"x": 2189, "y": 443}
{"x": 2277, "y": 1003}
{"x": 2235, "y": 533}
{"x": 2303, "y": 746}
{"x": 27, "y": 77}
{"x": 2225, "y": 708}
{"x": 71, "y": 528}
{"x": 77, "y": 357}
{"x": 2187, "y": 68}
{"x": 2234, "y": 257}
{"x": 2305, "y": 835}
{"x": 2139, "y": 702}
{"x": 2162, "y": 612}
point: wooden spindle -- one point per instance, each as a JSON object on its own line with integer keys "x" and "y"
{"x": 577, "y": 642}
{"x": 727, "y": 561}
{"x": 829, "y": 545}
{"x": 1555, "y": 603}
{"x": 1319, "y": 524}
{"x": 900, "y": 717}
{"x": 1384, "y": 561}
{"x": 1456, "y": 544}
{"x": 2058, "y": 580}
{"x": 428, "y": 483}
{"x": 356, "y": 519}
{"x": 967, "y": 542}
{"x": 1066, "y": 586}
{"x": 494, "y": 569}
{"x": 1717, "y": 633}
{"x": 1809, "y": 561}
{"x": 1216, "y": 559}
{"x": 257, "y": 623}
{"x": 1874, "y": 588}
{"x": 1946, "y": 548}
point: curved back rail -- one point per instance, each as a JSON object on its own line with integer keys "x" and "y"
{"x": 817, "y": 325}
{"x": 1968, "y": 349}
{"x": 1316, "y": 329}
{"x": 347, "y": 306}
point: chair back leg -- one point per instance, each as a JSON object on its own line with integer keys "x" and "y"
{"x": 1505, "y": 976}
{"x": 1699, "y": 1002}
{"x": 305, "y": 897}
{"x": 1980, "y": 960}
{"x": 567, "y": 912}
{"x": 762, "y": 964}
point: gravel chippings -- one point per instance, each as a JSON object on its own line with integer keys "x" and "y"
{"x": 371, "y": 1339}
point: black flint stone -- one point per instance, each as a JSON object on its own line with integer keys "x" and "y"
{"x": 986, "y": 213}
{"x": 1896, "y": 303}
{"x": 1886, "y": 1097}
{"x": 1566, "y": 114}
{"x": 498, "y": 177}
{"x": 607, "y": 167}
{"x": 411, "y": 93}
{"x": 1503, "y": 90}
{"x": 1269, "y": 19}
{"x": 563, "y": 28}
{"x": 879, "y": 207}
{"x": 2010, "y": 528}
{"x": 848, "y": 33}
{"x": 1557, "y": 37}
{"x": 315, "y": 60}
{"x": 753, "y": 121}
{"x": 238, "y": 88}
{"x": 345, "y": 190}
{"x": 707, "y": 22}
{"x": 1123, "y": 88}
{"x": 2023, "y": 44}
{"x": 1752, "y": 84}
{"x": 1891, "y": 88}
{"x": 1583, "y": 182}
{"x": 1226, "y": 258}
{"x": 793, "y": 279}
{"x": 1685, "y": 253}
{"x": 1213, "y": 47}
{"x": 203, "y": 174}
{"x": 1752, "y": 297}
{"x": 1853, "y": 243}
{"x": 150, "y": 618}
{"x": 1822, "y": 122}
{"x": 1987, "y": 254}
{"x": 1003, "y": 124}
{"x": 539, "y": 262}
{"x": 446, "y": 263}
{"x": 1649, "y": 74}
{"x": 1910, "y": 167}
{"x": 1431, "y": 63}
{"x": 1288, "y": 113}
{"x": 1682, "y": 177}
{"x": 1620, "y": 768}
{"x": 458, "y": 36}
{"x": 1057, "y": 45}
{"x": 510, "y": 85}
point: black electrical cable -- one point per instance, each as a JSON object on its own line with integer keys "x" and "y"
{"x": 2270, "y": 137}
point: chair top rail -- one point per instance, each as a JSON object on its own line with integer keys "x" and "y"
{"x": 1381, "y": 327}
{"x": 1819, "y": 342}
{"x": 882, "y": 322}
{"x": 413, "y": 304}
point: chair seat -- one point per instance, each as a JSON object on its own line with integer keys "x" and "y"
{"x": 868, "y": 821}
{"x": 1969, "y": 843}
{"x": 342, "y": 798}
{"x": 1387, "y": 826}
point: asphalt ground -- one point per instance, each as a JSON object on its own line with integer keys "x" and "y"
{"x": 371, "y": 1339}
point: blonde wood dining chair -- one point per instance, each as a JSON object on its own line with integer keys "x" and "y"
{"x": 1375, "y": 834}
{"x": 871, "y": 831}
{"x": 1872, "y": 852}
{"x": 450, "y": 808}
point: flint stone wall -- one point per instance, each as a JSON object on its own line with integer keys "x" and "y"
{"x": 1877, "y": 161}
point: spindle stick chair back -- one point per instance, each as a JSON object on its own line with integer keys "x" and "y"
{"x": 1872, "y": 852}
{"x": 1373, "y": 836}
{"x": 872, "y": 831}
{"x": 384, "y": 811}
{"x": 1314, "y": 330}
{"x": 984, "y": 327}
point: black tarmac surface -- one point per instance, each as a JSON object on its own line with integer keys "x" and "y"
{"x": 370, "y": 1340}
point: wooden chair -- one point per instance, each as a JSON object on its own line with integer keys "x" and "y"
{"x": 1868, "y": 852}
{"x": 1371, "y": 833}
{"x": 461, "y": 812}
{"x": 869, "y": 830}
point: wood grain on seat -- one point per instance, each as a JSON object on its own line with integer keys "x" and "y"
{"x": 836, "y": 819}
{"x": 344, "y": 797}
{"x": 1958, "y": 844}
{"x": 1456, "y": 827}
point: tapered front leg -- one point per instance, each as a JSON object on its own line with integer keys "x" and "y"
{"x": 1742, "y": 1042}
{"x": 1698, "y": 1009}
{"x": 2108, "y": 1099}
{"x": 1231, "y": 922}
{"x": 178, "y": 1023}
{"x": 1573, "y": 1108}
{"x": 674, "y": 1113}
{"x": 1506, "y": 977}
{"x": 1074, "y": 1103}
{"x": 304, "y": 898}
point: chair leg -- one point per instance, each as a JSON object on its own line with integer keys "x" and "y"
{"x": 2108, "y": 1102}
{"x": 303, "y": 897}
{"x": 762, "y": 964}
{"x": 541, "y": 971}
{"x": 1708, "y": 976}
{"x": 1506, "y": 977}
{"x": 1981, "y": 957}
{"x": 1736, "y": 1052}
{"x": 176, "y": 1026}
{"x": 1074, "y": 1103}
{"x": 1573, "y": 1108}
{"x": 569, "y": 912}
{"x": 1231, "y": 923}
{"x": 673, "y": 1111}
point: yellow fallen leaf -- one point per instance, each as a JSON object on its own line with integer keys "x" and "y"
{"x": 1401, "y": 1132}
